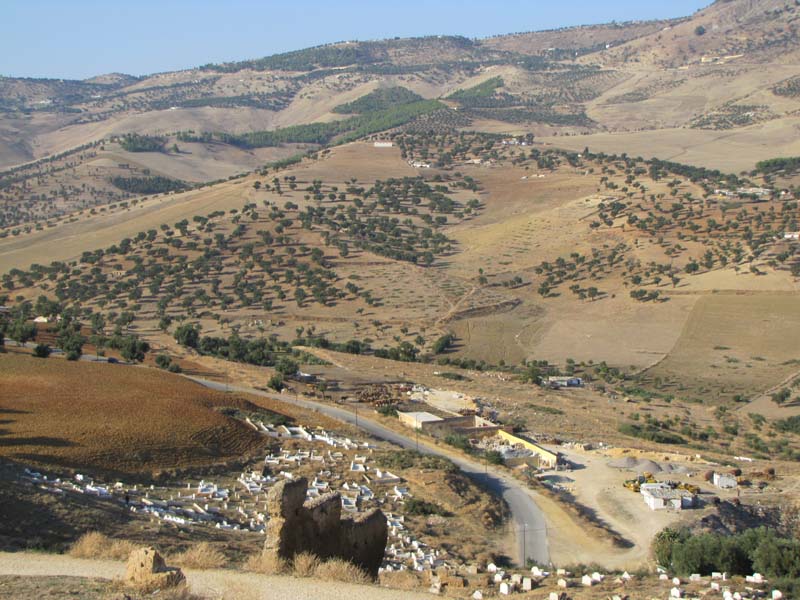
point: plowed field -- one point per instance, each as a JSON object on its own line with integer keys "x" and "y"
{"x": 114, "y": 418}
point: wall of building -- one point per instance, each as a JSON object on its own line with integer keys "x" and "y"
{"x": 546, "y": 458}
{"x": 296, "y": 525}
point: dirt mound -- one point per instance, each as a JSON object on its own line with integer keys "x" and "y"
{"x": 640, "y": 465}
{"x": 645, "y": 465}
{"x": 114, "y": 418}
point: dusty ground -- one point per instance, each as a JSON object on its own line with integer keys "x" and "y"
{"x": 207, "y": 584}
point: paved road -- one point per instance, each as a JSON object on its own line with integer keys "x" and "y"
{"x": 529, "y": 522}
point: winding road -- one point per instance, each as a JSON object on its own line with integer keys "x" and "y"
{"x": 529, "y": 525}
{"x": 530, "y": 528}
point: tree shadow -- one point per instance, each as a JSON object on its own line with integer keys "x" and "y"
{"x": 13, "y": 411}
{"x": 35, "y": 441}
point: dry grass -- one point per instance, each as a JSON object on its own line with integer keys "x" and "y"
{"x": 341, "y": 570}
{"x": 400, "y": 580}
{"x": 305, "y": 564}
{"x": 97, "y": 545}
{"x": 266, "y": 563}
{"x": 200, "y": 556}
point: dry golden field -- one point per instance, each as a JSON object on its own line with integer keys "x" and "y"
{"x": 110, "y": 418}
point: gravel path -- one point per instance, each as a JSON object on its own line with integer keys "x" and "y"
{"x": 213, "y": 584}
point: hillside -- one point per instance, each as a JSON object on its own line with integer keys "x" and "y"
{"x": 90, "y": 416}
{"x": 490, "y": 287}
{"x": 727, "y": 67}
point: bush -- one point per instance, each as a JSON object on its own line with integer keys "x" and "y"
{"x": 407, "y": 459}
{"x": 275, "y": 383}
{"x": 493, "y": 457}
{"x": 341, "y": 570}
{"x": 304, "y": 564}
{"x": 753, "y": 550}
{"x": 98, "y": 545}
{"x": 200, "y": 556}
{"x": 387, "y": 411}
{"x": 41, "y": 351}
{"x": 163, "y": 361}
{"x": 458, "y": 441}
{"x": 266, "y": 563}
{"x": 188, "y": 335}
{"x": 788, "y": 425}
{"x": 400, "y": 580}
{"x": 443, "y": 343}
{"x": 781, "y": 396}
{"x": 415, "y": 506}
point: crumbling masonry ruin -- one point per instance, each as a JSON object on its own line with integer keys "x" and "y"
{"x": 316, "y": 526}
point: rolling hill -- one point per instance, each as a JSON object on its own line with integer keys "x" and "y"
{"x": 587, "y": 199}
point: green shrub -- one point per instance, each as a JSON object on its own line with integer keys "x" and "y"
{"x": 41, "y": 351}
{"x": 759, "y": 550}
{"x": 414, "y": 506}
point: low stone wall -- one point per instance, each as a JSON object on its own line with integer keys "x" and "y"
{"x": 316, "y": 526}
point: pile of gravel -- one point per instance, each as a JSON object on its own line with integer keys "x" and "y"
{"x": 639, "y": 465}
{"x": 645, "y": 465}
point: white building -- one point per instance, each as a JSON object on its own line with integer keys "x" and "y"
{"x": 660, "y": 496}
{"x": 724, "y": 481}
{"x": 383, "y": 144}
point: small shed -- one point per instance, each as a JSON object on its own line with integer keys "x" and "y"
{"x": 417, "y": 420}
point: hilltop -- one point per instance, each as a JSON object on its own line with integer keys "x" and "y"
{"x": 725, "y": 68}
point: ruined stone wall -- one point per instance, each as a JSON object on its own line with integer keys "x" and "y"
{"x": 296, "y": 525}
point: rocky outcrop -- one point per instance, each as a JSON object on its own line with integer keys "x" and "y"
{"x": 146, "y": 569}
{"x": 316, "y": 526}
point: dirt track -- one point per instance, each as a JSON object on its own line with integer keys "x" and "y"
{"x": 210, "y": 584}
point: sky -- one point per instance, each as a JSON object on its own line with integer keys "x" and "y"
{"x": 76, "y": 39}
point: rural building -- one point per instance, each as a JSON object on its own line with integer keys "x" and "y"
{"x": 559, "y": 382}
{"x": 305, "y": 377}
{"x": 417, "y": 420}
{"x": 724, "y": 481}
{"x": 753, "y": 191}
{"x": 544, "y": 457}
{"x": 791, "y": 235}
{"x": 383, "y": 144}
{"x": 469, "y": 425}
{"x": 660, "y": 496}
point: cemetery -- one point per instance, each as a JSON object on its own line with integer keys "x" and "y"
{"x": 311, "y": 472}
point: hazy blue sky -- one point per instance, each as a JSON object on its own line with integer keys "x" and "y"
{"x": 81, "y": 38}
